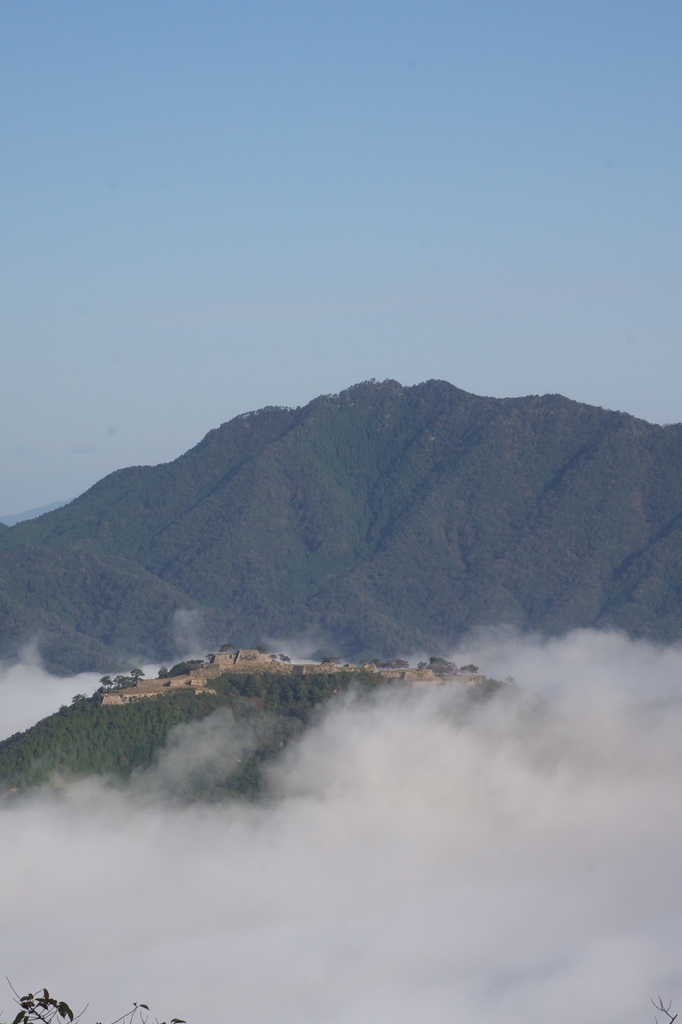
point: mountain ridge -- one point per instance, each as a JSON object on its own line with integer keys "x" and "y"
{"x": 31, "y": 513}
{"x": 382, "y": 520}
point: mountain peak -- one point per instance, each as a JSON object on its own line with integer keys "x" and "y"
{"x": 382, "y": 520}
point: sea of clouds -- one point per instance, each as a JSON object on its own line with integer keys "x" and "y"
{"x": 415, "y": 860}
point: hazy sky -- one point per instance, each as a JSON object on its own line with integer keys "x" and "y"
{"x": 211, "y": 207}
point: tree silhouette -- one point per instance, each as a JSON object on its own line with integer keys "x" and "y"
{"x": 42, "y": 1008}
{"x": 660, "y": 1005}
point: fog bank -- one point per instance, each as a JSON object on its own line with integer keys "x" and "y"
{"x": 29, "y": 693}
{"x": 415, "y": 861}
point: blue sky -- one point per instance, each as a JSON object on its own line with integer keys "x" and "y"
{"x": 211, "y": 207}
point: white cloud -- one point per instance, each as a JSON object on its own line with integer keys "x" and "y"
{"x": 188, "y": 633}
{"x": 513, "y": 864}
{"x": 29, "y": 693}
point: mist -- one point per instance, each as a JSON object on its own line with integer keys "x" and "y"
{"x": 417, "y": 858}
{"x": 28, "y": 693}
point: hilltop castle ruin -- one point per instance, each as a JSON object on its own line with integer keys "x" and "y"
{"x": 248, "y": 660}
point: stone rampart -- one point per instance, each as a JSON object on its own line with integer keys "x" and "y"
{"x": 156, "y": 688}
{"x": 425, "y": 677}
{"x": 255, "y": 661}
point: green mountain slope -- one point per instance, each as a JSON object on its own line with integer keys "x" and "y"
{"x": 89, "y": 738}
{"x": 385, "y": 519}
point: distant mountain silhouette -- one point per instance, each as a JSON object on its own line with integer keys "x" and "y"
{"x": 382, "y": 520}
{"x": 31, "y": 513}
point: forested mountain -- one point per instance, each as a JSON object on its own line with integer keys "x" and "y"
{"x": 381, "y": 520}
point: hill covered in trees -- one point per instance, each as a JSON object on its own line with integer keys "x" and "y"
{"x": 90, "y": 738}
{"x": 382, "y": 520}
